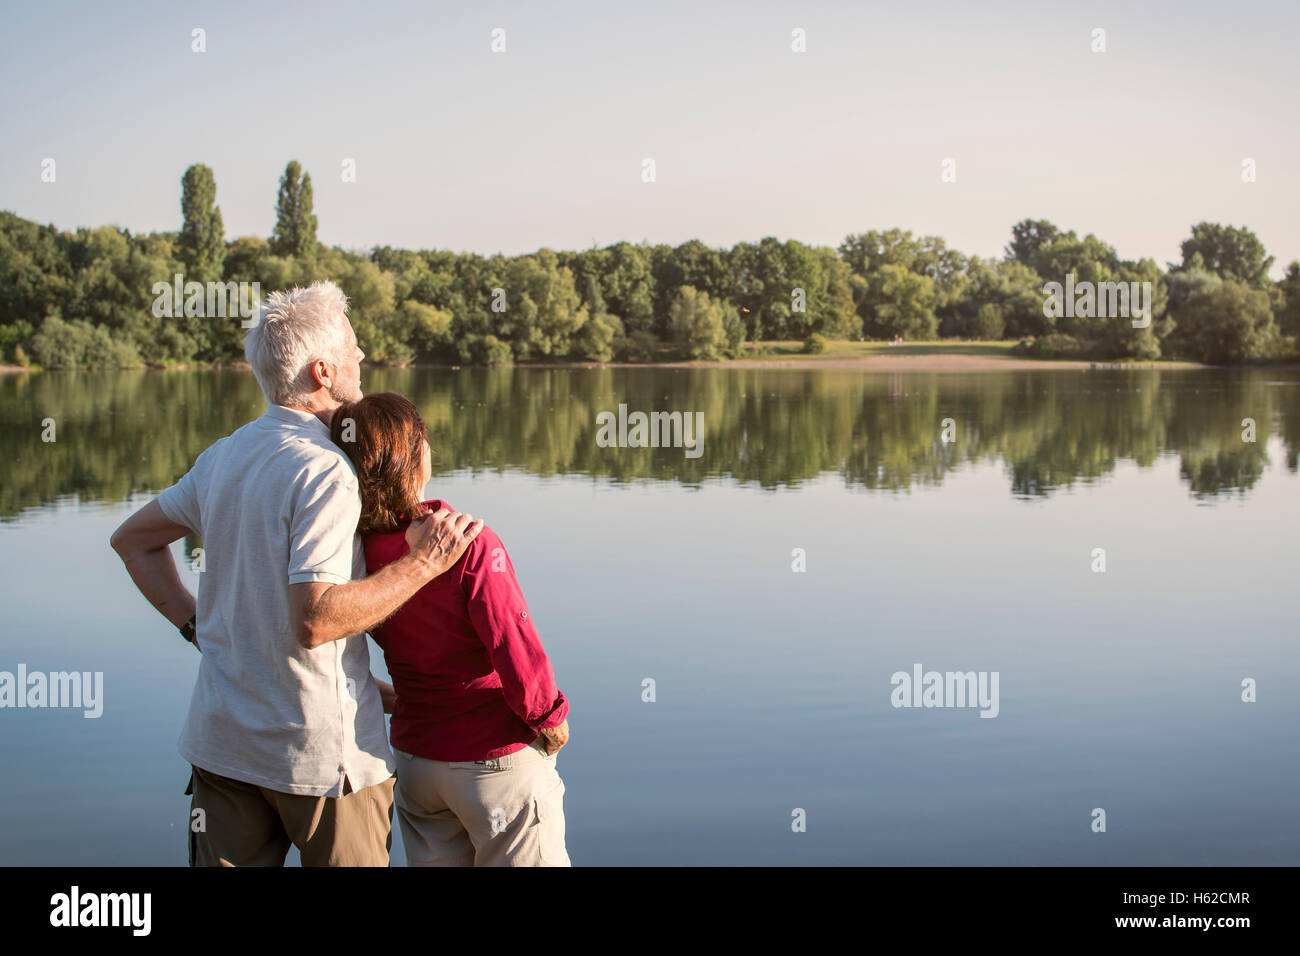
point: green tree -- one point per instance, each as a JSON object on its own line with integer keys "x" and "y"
{"x": 627, "y": 286}
{"x": 699, "y": 323}
{"x": 1117, "y": 337}
{"x": 35, "y": 270}
{"x": 989, "y": 323}
{"x": 202, "y": 244}
{"x": 903, "y": 280}
{"x": 600, "y": 337}
{"x": 1222, "y": 322}
{"x": 424, "y": 328}
{"x": 381, "y": 333}
{"x": 1087, "y": 259}
{"x": 1288, "y": 309}
{"x": 897, "y": 301}
{"x": 544, "y": 310}
{"x": 835, "y": 316}
{"x": 767, "y": 276}
{"x": 1231, "y": 253}
{"x": 1028, "y": 237}
{"x": 245, "y": 259}
{"x": 295, "y": 223}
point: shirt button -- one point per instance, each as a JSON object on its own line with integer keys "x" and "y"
{"x": 523, "y": 615}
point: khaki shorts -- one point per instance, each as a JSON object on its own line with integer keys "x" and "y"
{"x": 246, "y": 825}
{"x": 508, "y": 811}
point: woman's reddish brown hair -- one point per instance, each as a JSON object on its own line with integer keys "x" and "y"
{"x": 384, "y": 436}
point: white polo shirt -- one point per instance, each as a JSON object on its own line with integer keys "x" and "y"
{"x": 276, "y": 503}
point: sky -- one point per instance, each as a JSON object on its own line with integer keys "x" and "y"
{"x": 459, "y": 147}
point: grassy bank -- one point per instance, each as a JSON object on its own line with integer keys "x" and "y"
{"x": 841, "y": 349}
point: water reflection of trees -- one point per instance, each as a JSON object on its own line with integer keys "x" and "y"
{"x": 128, "y": 432}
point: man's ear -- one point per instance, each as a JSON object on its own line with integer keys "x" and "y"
{"x": 321, "y": 374}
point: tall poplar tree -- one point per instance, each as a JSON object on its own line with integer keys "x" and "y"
{"x": 202, "y": 246}
{"x": 295, "y": 223}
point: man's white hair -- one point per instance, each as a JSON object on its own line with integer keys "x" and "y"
{"x": 293, "y": 330}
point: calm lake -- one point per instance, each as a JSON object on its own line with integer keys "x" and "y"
{"x": 1119, "y": 690}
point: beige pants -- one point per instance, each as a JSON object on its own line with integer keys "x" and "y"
{"x": 503, "y": 812}
{"x": 247, "y": 825}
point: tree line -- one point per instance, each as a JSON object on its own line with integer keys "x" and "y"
{"x": 85, "y": 299}
{"x": 768, "y": 428}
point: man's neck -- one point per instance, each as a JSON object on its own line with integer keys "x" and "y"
{"x": 321, "y": 408}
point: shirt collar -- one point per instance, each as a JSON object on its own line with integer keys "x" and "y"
{"x": 294, "y": 416}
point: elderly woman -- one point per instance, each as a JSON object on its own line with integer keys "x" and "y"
{"x": 478, "y": 720}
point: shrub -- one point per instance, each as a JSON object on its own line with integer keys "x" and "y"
{"x": 12, "y": 337}
{"x": 599, "y": 338}
{"x": 492, "y": 351}
{"x": 1053, "y": 345}
{"x": 642, "y": 346}
{"x": 989, "y": 323}
{"x": 78, "y": 344}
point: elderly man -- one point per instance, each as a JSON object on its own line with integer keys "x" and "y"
{"x": 285, "y": 732}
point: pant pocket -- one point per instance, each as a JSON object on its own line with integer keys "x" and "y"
{"x": 539, "y": 745}
{"x": 548, "y": 810}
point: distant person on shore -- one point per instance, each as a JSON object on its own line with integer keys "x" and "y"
{"x": 478, "y": 720}
{"x": 285, "y": 732}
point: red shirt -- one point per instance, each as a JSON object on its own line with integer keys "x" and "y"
{"x": 472, "y": 679}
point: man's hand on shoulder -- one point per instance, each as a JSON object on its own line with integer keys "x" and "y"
{"x": 438, "y": 540}
{"x": 321, "y": 612}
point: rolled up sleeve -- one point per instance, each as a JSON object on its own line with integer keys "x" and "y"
{"x": 501, "y": 619}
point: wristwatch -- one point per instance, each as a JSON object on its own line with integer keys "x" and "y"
{"x": 189, "y": 630}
